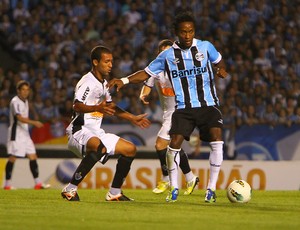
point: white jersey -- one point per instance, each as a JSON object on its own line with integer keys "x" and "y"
{"x": 90, "y": 91}
{"x": 165, "y": 91}
{"x": 167, "y": 101}
{"x": 19, "y": 142}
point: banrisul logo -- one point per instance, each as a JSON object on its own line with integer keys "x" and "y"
{"x": 188, "y": 72}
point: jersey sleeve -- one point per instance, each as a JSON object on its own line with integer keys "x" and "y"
{"x": 157, "y": 65}
{"x": 82, "y": 92}
{"x": 214, "y": 56}
{"x": 15, "y": 107}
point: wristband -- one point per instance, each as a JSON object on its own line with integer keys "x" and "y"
{"x": 125, "y": 80}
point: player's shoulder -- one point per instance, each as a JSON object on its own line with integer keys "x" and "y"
{"x": 203, "y": 42}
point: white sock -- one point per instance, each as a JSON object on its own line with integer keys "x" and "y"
{"x": 173, "y": 160}
{"x": 166, "y": 178}
{"x": 71, "y": 186}
{"x": 215, "y": 161}
{"x": 37, "y": 180}
{"x": 189, "y": 176}
{"x": 115, "y": 191}
{"x": 7, "y": 183}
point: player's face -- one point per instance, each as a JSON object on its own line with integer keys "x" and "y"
{"x": 185, "y": 34}
{"x": 23, "y": 92}
{"x": 105, "y": 64}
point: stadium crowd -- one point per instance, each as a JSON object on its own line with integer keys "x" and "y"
{"x": 51, "y": 40}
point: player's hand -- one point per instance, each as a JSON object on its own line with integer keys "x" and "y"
{"x": 144, "y": 99}
{"x": 115, "y": 82}
{"x": 141, "y": 121}
{"x": 221, "y": 72}
{"x": 38, "y": 124}
{"x": 105, "y": 108}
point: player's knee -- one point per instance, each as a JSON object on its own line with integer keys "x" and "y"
{"x": 130, "y": 150}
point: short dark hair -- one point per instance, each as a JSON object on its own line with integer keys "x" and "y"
{"x": 21, "y": 83}
{"x": 163, "y": 43}
{"x": 97, "y": 51}
{"x": 183, "y": 16}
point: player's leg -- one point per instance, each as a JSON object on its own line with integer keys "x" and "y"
{"x": 173, "y": 161}
{"x": 95, "y": 150}
{"x": 34, "y": 168}
{"x": 8, "y": 172}
{"x": 127, "y": 151}
{"x": 191, "y": 179}
{"x": 215, "y": 161}
{"x": 161, "y": 149}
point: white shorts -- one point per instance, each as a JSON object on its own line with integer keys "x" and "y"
{"x": 77, "y": 141}
{"x": 21, "y": 146}
{"x": 166, "y": 125}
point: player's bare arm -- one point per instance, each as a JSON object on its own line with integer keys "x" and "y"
{"x": 145, "y": 91}
{"x": 134, "y": 78}
{"x": 105, "y": 108}
{"x": 26, "y": 120}
{"x": 138, "y": 120}
{"x": 221, "y": 70}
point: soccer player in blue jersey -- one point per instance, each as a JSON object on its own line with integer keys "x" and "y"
{"x": 189, "y": 65}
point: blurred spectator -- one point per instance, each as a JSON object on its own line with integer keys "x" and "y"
{"x": 50, "y": 42}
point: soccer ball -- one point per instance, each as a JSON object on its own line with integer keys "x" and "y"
{"x": 239, "y": 191}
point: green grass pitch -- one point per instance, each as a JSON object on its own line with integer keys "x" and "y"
{"x": 45, "y": 209}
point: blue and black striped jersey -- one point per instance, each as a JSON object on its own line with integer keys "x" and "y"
{"x": 190, "y": 72}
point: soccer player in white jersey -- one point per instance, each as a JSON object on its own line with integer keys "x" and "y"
{"x": 167, "y": 101}
{"x": 86, "y": 138}
{"x": 189, "y": 66}
{"x": 19, "y": 143}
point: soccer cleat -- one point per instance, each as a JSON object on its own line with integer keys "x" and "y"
{"x": 190, "y": 185}
{"x": 118, "y": 197}
{"x": 41, "y": 186}
{"x": 70, "y": 195}
{"x": 172, "y": 196}
{"x": 161, "y": 187}
{"x": 210, "y": 196}
{"x": 8, "y": 187}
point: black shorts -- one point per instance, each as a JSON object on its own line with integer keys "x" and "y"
{"x": 184, "y": 121}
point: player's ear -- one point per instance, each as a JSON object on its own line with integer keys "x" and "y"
{"x": 95, "y": 62}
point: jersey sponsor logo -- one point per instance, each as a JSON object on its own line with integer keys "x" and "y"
{"x": 199, "y": 56}
{"x": 86, "y": 92}
{"x": 188, "y": 72}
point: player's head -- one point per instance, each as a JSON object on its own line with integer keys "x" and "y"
{"x": 102, "y": 60}
{"x": 164, "y": 44}
{"x": 184, "y": 27}
{"x": 23, "y": 89}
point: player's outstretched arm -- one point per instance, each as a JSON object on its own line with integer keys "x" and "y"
{"x": 138, "y": 120}
{"x": 134, "y": 78}
{"x": 27, "y": 120}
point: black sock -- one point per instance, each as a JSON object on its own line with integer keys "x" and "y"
{"x": 34, "y": 168}
{"x": 8, "y": 170}
{"x": 162, "y": 158}
{"x": 86, "y": 164}
{"x": 122, "y": 169}
{"x": 184, "y": 162}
